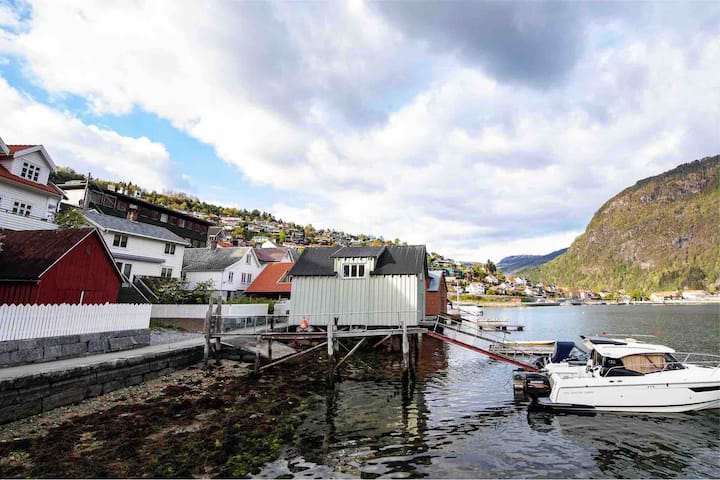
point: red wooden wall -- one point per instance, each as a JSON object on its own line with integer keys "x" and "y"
{"x": 84, "y": 268}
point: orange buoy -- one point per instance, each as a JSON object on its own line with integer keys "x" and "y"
{"x": 304, "y": 324}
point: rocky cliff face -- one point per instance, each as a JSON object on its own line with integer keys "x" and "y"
{"x": 661, "y": 233}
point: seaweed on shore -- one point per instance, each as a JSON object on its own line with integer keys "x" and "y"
{"x": 224, "y": 426}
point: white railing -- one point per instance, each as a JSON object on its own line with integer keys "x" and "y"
{"x": 381, "y": 318}
{"x": 18, "y": 322}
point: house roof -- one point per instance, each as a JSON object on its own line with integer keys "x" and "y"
{"x": 268, "y": 280}
{"x": 209, "y": 260}
{"x": 13, "y": 150}
{"x": 267, "y": 255}
{"x": 214, "y": 230}
{"x": 50, "y": 188}
{"x": 27, "y": 254}
{"x": 394, "y": 260}
{"x": 356, "y": 252}
{"x": 123, "y": 225}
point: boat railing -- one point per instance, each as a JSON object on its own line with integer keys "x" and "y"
{"x": 699, "y": 359}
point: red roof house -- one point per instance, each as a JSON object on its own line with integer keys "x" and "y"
{"x": 57, "y": 266}
{"x": 272, "y": 282}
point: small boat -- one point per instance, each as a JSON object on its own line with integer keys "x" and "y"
{"x": 625, "y": 375}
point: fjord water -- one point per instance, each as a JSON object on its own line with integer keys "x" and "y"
{"x": 461, "y": 421}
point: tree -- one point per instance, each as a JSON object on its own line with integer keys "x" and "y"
{"x": 282, "y": 236}
{"x": 70, "y": 218}
{"x": 491, "y": 267}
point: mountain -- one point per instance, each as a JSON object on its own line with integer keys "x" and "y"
{"x": 660, "y": 234}
{"x": 515, "y": 263}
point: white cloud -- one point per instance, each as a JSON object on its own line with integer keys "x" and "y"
{"x": 378, "y": 132}
{"x": 83, "y": 147}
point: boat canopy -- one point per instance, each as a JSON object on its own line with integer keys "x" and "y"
{"x": 619, "y": 349}
{"x": 561, "y": 351}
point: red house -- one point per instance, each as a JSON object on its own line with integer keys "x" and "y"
{"x": 272, "y": 282}
{"x": 435, "y": 293}
{"x": 56, "y": 266}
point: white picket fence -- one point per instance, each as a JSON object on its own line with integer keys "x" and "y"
{"x": 18, "y": 322}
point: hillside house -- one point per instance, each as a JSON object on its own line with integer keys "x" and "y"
{"x": 231, "y": 270}
{"x": 374, "y": 286}
{"x": 436, "y": 297}
{"x": 140, "y": 249}
{"x": 28, "y": 200}
{"x": 115, "y": 202}
{"x": 272, "y": 282}
{"x": 216, "y": 234}
{"x": 57, "y": 266}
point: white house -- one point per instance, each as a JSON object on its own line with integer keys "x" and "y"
{"x": 28, "y": 200}
{"x": 375, "y": 286}
{"x": 231, "y": 270}
{"x": 140, "y": 249}
{"x": 476, "y": 289}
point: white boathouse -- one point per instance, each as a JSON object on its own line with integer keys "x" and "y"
{"x": 369, "y": 286}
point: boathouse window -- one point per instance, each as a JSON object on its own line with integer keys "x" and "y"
{"x": 353, "y": 271}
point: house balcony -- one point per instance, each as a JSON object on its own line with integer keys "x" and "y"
{"x": 13, "y": 221}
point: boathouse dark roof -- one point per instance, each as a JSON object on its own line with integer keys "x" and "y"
{"x": 391, "y": 260}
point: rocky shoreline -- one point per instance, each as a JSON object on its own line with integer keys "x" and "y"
{"x": 220, "y": 422}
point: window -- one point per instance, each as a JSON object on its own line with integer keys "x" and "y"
{"x": 247, "y": 259}
{"x": 30, "y": 171}
{"x": 166, "y": 272}
{"x": 164, "y": 217}
{"x": 181, "y": 223}
{"x": 22, "y": 209}
{"x": 351, "y": 270}
{"x": 230, "y": 276}
{"x": 120, "y": 240}
{"x": 125, "y": 269}
{"x": 170, "y": 248}
{"x": 183, "y": 276}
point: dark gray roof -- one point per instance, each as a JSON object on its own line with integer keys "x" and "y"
{"x": 355, "y": 252}
{"x": 393, "y": 260}
{"x": 122, "y": 225}
{"x": 314, "y": 261}
{"x": 209, "y": 260}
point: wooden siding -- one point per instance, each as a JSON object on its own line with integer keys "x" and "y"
{"x": 386, "y": 300}
{"x": 86, "y": 268}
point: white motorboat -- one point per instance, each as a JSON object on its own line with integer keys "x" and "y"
{"x": 625, "y": 375}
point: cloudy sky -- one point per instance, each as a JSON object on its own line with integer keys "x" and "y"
{"x": 481, "y": 129}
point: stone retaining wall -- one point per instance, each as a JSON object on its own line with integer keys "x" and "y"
{"x": 29, "y": 395}
{"x": 19, "y": 352}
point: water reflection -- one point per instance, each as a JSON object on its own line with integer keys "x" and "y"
{"x": 460, "y": 419}
{"x": 637, "y": 445}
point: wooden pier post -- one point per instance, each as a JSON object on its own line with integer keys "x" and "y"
{"x": 331, "y": 352}
{"x": 405, "y": 349}
{"x": 269, "y": 348}
{"x": 258, "y": 346}
{"x": 218, "y": 329}
{"x": 206, "y": 331}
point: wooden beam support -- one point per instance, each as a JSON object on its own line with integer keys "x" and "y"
{"x": 380, "y": 342}
{"x": 293, "y": 355}
{"x": 357, "y": 345}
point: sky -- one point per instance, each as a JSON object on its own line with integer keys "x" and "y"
{"x": 480, "y": 129}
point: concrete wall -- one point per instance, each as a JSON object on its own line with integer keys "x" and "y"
{"x": 32, "y": 394}
{"x": 35, "y": 350}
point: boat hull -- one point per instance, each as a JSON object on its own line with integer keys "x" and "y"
{"x": 545, "y": 402}
{"x": 692, "y": 388}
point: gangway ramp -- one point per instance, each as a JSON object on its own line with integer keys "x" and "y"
{"x": 468, "y": 336}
